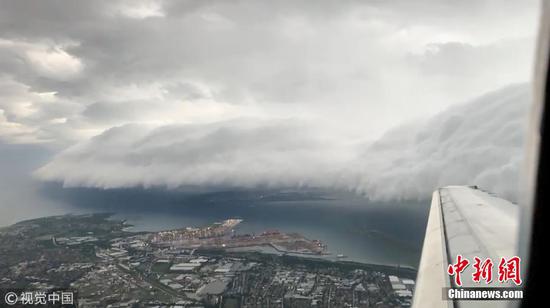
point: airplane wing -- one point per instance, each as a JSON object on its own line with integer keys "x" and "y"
{"x": 466, "y": 221}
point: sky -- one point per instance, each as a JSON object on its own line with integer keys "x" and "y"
{"x": 269, "y": 93}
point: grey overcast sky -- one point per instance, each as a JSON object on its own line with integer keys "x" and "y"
{"x": 284, "y": 81}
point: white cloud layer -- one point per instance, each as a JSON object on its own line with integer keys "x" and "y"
{"x": 241, "y": 153}
{"x": 475, "y": 143}
{"x": 479, "y": 143}
{"x": 268, "y": 93}
{"x": 360, "y": 67}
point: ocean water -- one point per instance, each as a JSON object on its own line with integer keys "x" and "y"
{"x": 383, "y": 233}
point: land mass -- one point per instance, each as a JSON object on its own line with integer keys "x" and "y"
{"x": 210, "y": 266}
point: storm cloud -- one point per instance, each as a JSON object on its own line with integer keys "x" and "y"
{"x": 478, "y": 143}
{"x": 71, "y": 70}
{"x": 475, "y": 143}
{"x": 248, "y": 93}
{"x": 240, "y": 154}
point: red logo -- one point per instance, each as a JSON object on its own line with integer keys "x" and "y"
{"x": 457, "y": 268}
{"x": 508, "y": 270}
{"x": 484, "y": 270}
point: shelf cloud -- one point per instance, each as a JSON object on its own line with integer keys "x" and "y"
{"x": 285, "y": 93}
{"x": 479, "y": 142}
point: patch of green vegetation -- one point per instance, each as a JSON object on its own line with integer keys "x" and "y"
{"x": 46, "y": 243}
{"x": 161, "y": 267}
{"x": 231, "y": 302}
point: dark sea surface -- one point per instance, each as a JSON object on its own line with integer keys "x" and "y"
{"x": 365, "y": 231}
